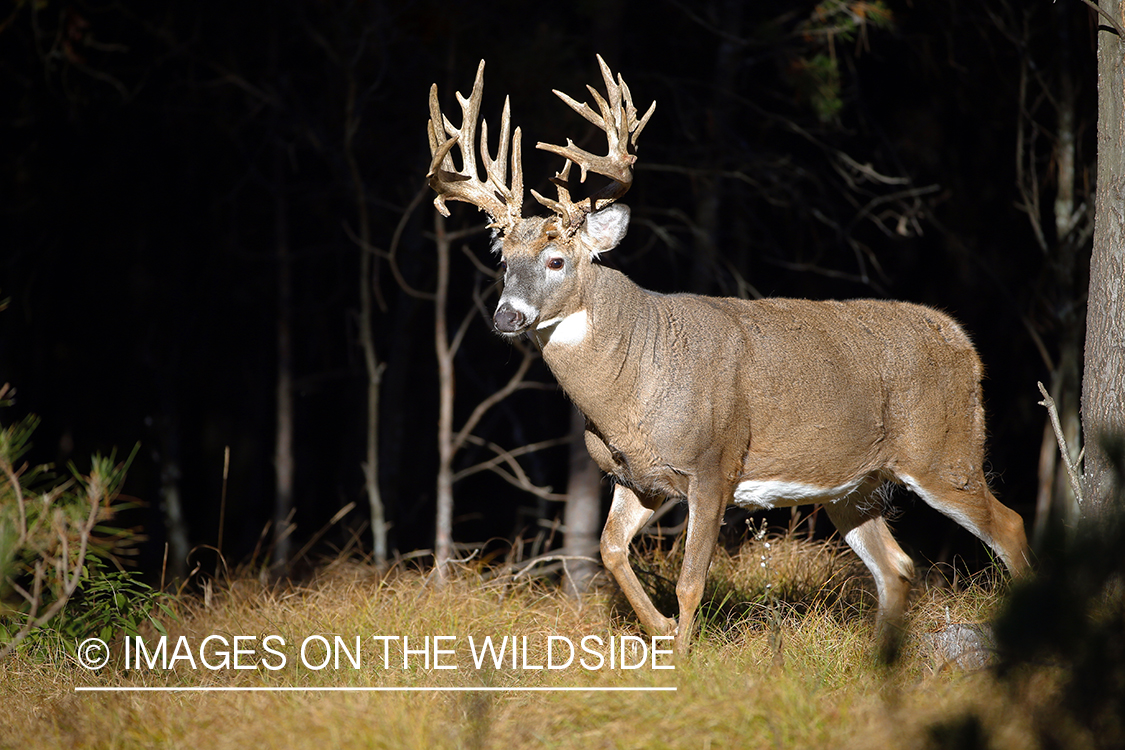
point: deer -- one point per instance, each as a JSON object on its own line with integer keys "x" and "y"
{"x": 764, "y": 403}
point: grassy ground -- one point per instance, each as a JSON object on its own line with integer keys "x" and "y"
{"x": 786, "y": 666}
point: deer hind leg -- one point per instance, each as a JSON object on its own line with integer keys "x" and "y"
{"x": 972, "y": 505}
{"x": 865, "y": 530}
{"x": 627, "y": 514}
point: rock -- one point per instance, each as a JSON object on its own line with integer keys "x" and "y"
{"x": 962, "y": 646}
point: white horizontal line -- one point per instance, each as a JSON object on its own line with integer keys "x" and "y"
{"x": 291, "y": 689}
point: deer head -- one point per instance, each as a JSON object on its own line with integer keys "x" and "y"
{"x": 544, "y": 259}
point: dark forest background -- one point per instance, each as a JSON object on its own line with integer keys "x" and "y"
{"x": 184, "y": 185}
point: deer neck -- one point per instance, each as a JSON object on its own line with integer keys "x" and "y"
{"x": 595, "y": 351}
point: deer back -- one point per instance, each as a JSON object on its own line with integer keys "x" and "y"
{"x": 818, "y": 393}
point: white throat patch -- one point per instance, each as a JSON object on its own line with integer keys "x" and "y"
{"x": 567, "y": 331}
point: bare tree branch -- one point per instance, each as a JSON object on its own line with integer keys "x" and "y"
{"x": 514, "y": 384}
{"x": 1071, "y": 469}
{"x": 391, "y": 255}
{"x": 504, "y": 456}
{"x": 1108, "y": 18}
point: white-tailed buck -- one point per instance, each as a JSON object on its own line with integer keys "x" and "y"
{"x": 762, "y": 403}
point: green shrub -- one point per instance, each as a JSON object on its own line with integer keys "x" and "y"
{"x": 54, "y": 538}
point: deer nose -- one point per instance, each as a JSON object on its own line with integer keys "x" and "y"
{"x": 507, "y": 319}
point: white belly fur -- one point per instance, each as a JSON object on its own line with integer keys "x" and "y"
{"x": 776, "y": 493}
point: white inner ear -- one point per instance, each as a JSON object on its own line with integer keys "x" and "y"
{"x": 604, "y": 229}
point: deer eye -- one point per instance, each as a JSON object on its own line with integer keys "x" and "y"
{"x": 555, "y": 264}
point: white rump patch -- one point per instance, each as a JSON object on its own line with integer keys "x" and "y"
{"x": 776, "y": 493}
{"x": 566, "y": 331}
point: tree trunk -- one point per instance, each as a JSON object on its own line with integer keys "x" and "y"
{"x": 371, "y": 361}
{"x": 374, "y": 381}
{"x": 171, "y": 501}
{"x": 443, "y": 535}
{"x": 709, "y": 186}
{"x": 283, "y": 449}
{"x": 583, "y": 511}
{"x": 1103, "y": 386}
{"x": 1055, "y": 496}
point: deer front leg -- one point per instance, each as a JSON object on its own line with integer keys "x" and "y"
{"x": 705, "y": 515}
{"x": 627, "y": 515}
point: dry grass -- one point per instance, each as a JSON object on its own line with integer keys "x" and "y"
{"x": 817, "y": 686}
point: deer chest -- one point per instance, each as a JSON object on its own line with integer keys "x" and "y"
{"x": 636, "y": 465}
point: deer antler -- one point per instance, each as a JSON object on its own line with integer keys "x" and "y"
{"x": 503, "y": 204}
{"x": 618, "y": 119}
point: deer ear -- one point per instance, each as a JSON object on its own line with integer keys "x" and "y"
{"x": 604, "y": 229}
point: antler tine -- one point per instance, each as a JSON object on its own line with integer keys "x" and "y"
{"x": 497, "y": 170}
{"x": 517, "y": 172}
{"x": 631, "y": 112}
{"x": 501, "y": 203}
{"x": 581, "y": 108}
{"x": 573, "y": 213}
{"x": 617, "y": 117}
